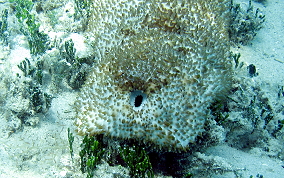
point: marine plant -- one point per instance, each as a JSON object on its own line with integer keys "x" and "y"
{"x": 188, "y": 175}
{"x": 68, "y": 52}
{"x": 236, "y": 58}
{"x": 218, "y": 110}
{"x": 244, "y": 23}
{"x": 32, "y": 71}
{"x": 260, "y": 1}
{"x": 4, "y": 26}
{"x": 40, "y": 101}
{"x": 137, "y": 160}
{"x": 76, "y": 69}
{"x": 83, "y": 10}
{"x": 26, "y": 67}
{"x": 91, "y": 154}
{"x": 70, "y": 141}
{"x": 279, "y": 126}
{"x": 37, "y": 40}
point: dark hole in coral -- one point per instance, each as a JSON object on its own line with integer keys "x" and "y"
{"x": 138, "y": 100}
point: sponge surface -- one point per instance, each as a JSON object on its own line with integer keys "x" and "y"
{"x": 160, "y": 65}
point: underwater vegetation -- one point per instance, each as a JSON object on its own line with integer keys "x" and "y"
{"x": 77, "y": 68}
{"x": 40, "y": 100}
{"x": 70, "y": 141}
{"x": 83, "y": 10}
{"x": 91, "y": 154}
{"x": 138, "y": 161}
{"x": 38, "y": 41}
{"x": 93, "y": 150}
{"x": 236, "y": 59}
{"x": 67, "y": 67}
{"x": 4, "y": 26}
{"x": 244, "y": 23}
{"x": 261, "y": 1}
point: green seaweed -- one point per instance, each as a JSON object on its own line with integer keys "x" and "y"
{"x": 83, "y": 8}
{"x": 236, "y": 58}
{"x": 83, "y": 11}
{"x": 279, "y": 126}
{"x": 138, "y": 161}
{"x": 261, "y": 1}
{"x": 34, "y": 72}
{"x": 22, "y": 8}
{"x": 77, "y": 68}
{"x": 26, "y": 67}
{"x": 70, "y": 141}
{"x": 40, "y": 101}
{"x": 37, "y": 40}
{"x": 244, "y": 23}
{"x": 91, "y": 154}
{"x": 218, "y": 111}
{"x": 69, "y": 52}
{"x": 188, "y": 175}
{"x": 4, "y": 26}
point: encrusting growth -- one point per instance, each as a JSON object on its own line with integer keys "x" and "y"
{"x": 160, "y": 64}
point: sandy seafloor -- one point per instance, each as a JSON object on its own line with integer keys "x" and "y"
{"x": 39, "y": 147}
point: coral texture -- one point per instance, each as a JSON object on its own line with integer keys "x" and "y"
{"x": 160, "y": 64}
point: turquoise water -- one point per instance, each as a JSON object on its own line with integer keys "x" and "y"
{"x": 46, "y": 54}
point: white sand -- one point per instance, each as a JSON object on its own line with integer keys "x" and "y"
{"x": 244, "y": 164}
